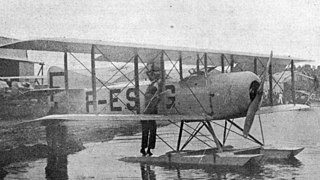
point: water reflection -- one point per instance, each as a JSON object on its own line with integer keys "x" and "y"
{"x": 57, "y": 167}
{"x": 3, "y": 173}
{"x": 291, "y": 162}
{"x": 146, "y": 172}
{"x": 61, "y": 142}
{"x": 57, "y": 160}
{"x": 282, "y": 169}
{"x": 56, "y": 135}
{"x": 199, "y": 172}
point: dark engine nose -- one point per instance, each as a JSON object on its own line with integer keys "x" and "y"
{"x": 253, "y": 89}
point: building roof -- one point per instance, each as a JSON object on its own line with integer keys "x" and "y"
{"x": 13, "y": 54}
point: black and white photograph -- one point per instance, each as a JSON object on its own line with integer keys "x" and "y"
{"x": 153, "y": 90}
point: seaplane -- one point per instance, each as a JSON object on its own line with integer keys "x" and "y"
{"x": 211, "y": 92}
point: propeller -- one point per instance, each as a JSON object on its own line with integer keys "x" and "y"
{"x": 255, "y": 103}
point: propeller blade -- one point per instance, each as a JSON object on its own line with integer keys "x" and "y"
{"x": 255, "y": 104}
{"x": 253, "y": 108}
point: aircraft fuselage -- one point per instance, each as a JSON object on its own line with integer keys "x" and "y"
{"x": 225, "y": 95}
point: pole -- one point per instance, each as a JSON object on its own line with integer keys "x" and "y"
{"x": 93, "y": 79}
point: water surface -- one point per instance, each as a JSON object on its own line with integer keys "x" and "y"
{"x": 100, "y": 159}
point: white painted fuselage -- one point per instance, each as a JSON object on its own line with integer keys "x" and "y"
{"x": 223, "y": 95}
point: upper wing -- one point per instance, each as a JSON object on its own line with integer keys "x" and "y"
{"x": 122, "y": 52}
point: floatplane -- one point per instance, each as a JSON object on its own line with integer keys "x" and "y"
{"x": 204, "y": 96}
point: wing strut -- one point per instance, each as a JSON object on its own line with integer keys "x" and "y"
{"x": 136, "y": 83}
{"x": 216, "y": 140}
{"x": 165, "y": 142}
{"x": 270, "y": 82}
{"x": 198, "y": 63}
{"x": 231, "y": 63}
{"x": 253, "y": 138}
{"x": 206, "y": 64}
{"x": 93, "y": 80}
{"x": 180, "y": 66}
{"x": 194, "y": 135}
{"x": 255, "y": 65}
{"x": 222, "y": 63}
{"x": 225, "y": 132}
{"x": 292, "y": 83}
{"x": 66, "y": 79}
{"x": 180, "y": 135}
{"x": 161, "y": 88}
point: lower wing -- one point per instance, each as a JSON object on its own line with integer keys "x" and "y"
{"x": 143, "y": 117}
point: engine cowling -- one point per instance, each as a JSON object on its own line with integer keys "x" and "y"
{"x": 225, "y": 95}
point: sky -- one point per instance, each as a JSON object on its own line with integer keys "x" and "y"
{"x": 285, "y": 26}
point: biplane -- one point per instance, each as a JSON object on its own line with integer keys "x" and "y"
{"x": 211, "y": 92}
